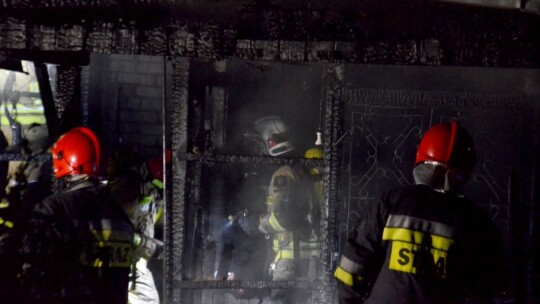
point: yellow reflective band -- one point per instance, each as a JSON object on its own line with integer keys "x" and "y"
{"x": 279, "y": 244}
{"x": 8, "y": 224}
{"x": 416, "y": 237}
{"x": 147, "y": 200}
{"x": 403, "y": 255}
{"x": 349, "y": 265}
{"x": 119, "y": 255}
{"x": 275, "y": 245}
{"x": 288, "y": 254}
{"x": 159, "y": 214}
{"x": 97, "y": 263}
{"x": 157, "y": 183}
{"x": 401, "y": 258}
{"x": 101, "y": 235}
{"x": 274, "y": 223}
{"x": 418, "y": 224}
{"x": 1, "y": 221}
{"x": 314, "y": 171}
{"x": 109, "y": 230}
{"x": 345, "y": 277}
{"x": 4, "y": 204}
{"x": 285, "y": 254}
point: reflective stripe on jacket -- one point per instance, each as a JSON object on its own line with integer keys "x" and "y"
{"x": 78, "y": 247}
{"x": 421, "y": 246}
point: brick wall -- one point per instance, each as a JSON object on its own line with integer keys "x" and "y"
{"x": 125, "y": 101}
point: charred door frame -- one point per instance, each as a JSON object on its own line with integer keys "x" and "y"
{"x": 185, "y": 190}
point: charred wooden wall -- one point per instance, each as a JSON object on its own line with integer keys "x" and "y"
{"x": 382, "y": 32}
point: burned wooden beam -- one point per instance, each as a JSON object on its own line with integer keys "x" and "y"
{"x": 413, "y": 33}
{"x": 76, "y": 58}
{"x": 47, "y": 98}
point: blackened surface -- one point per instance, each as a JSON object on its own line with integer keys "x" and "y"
{"x": 68, "y": 98}
{"x": 175, "y": 207}
{"x": 386, "y": 32}
{"x": 385, "y": 126}
{"x": 45, "y": 91}
{"x": 334, "y": 83}
{"x": 236, "y": 171}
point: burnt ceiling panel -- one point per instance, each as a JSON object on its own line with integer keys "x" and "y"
{"x": 383, "y": 32}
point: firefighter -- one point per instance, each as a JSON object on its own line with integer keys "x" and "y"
{"x": 241, "y": 249}
{"x": 29, "y": 184}
{"x": 78, "y": 246}
{"x": 426, "y": 243}
{"x": 137, "y": 185}
{"x": 242, "y": 254}
{"x": 289, "y": 217}
{"x": 31, "y": 180}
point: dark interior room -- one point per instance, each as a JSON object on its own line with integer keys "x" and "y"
{"x": 219, "y": 96}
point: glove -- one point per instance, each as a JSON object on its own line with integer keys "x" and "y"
{"x": 147, "y": 247}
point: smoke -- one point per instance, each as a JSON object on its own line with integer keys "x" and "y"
{"x": 292, "y": 92}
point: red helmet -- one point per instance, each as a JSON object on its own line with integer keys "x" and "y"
{"x": 76, "y": 152}
{"x": 155, "y": 165}
{"x": 448, "y": 144}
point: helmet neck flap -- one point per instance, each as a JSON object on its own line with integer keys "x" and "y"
{"x": 445, "y": 157}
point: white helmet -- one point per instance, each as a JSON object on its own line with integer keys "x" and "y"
{"x": 275, "y": 135}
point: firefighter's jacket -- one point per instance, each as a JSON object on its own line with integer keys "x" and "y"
{"x": 421, "y": 246}
{"x": 141, "y": 199}
{"x": 31, "y": 184}
{"x": 290, "y": 204}
{"x": 78, "y": 248}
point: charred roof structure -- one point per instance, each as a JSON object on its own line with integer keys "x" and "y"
{"x": 385, "y": 32}
{"x": 401, "y": 34}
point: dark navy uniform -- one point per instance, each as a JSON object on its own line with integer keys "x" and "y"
{"x": 78, "y": 248}
{"x": 419, "y": 245}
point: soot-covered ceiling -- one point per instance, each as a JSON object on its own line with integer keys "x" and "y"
{"x": 380, "y": 32}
